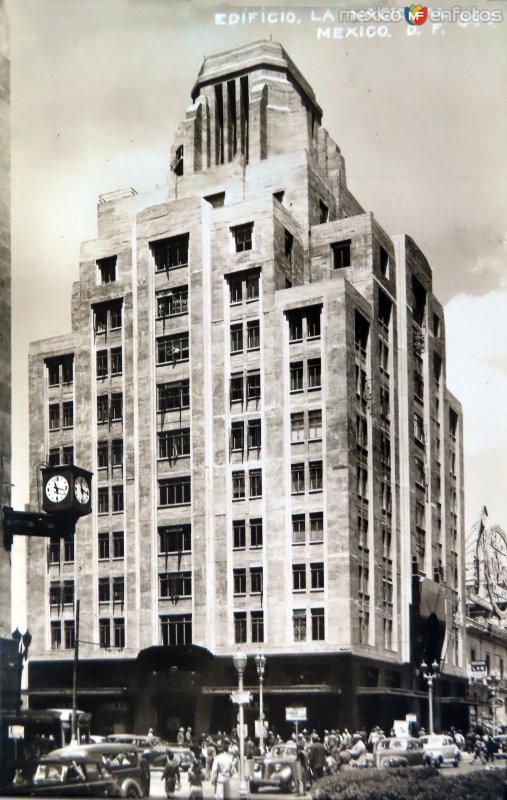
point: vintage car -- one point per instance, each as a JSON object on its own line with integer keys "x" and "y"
{"x": 398, "y": 751}
{"x": 442, "y": 749}
{"x": 125, "y": 762}
{"x": 66, "y": 776}
{"x": 275, "y": 769}
{"x": 156, "y": 755}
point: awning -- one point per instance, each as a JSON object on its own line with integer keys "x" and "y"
{"x": 116, "y": 691}
{"x": 391, "y": 690}
{"x": 309, "y": 688}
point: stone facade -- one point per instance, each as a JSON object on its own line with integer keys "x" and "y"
{"x": 256, "y": 378}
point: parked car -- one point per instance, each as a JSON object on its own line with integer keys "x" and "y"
{"x": 125, "y": 762}
{"x": 442, "y": 749}
{"x": 76, "y": 775}
{"x": 275, "y": 769}
{"x": 128, "y": 738}
{"x": 400, "y": 751}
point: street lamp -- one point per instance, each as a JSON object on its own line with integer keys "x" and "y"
{"x": 239, "y": 660}
{"x": 430, "y": 674}
{"x": 260, "y": 663}
{"x": 493, "y": 683}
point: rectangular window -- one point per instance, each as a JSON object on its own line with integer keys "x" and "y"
{"x": 170, "y": 253}
{"x": 54, "y": 456}
{"x": 298, "y": 529}
{"x": 316, "y": 526}
{"x": 237, "y": 338}
{"x": 118, "y": 544}
{"x": 361, "y": 432}
{"x": 317, "y": 575}
{"x": 173, "y": 302}
{"x": 418, "y": 429}
{"x": 420, "y": 475}
{"x": 383, "y": 354}
{"x": 101, "y": 360}
{"x": 295, "y": 326}
{"x": 420, "y": 516}
{"x": 104, "y": 590}
{"x": 174, "y": 491}
{"x": 236, "y": 388}
{"x": 254, "y": 434}
{"x": 323, "y": 213}
{"x": 252, "y": 287}
{"x": 102, "y": 455}
{"x": 107, "y": 269}
{"x": 119, "y": 632}
{"x": 119, "y": 590}
{"x": 68, "y": 369}
{"x": 315, "y": 424}
{"x": 243, "y": 237}
{"x": 116, "y": 361}
{"x": 103, "y": 539}
{"x": 297, "y": 427}
{"x": 103, "y": 499}
{"x": 299, "y": 625}
{"x": 253, "y": 334}
{"x": 54, "y": 417}
{"x": 176, "y": 630}
{"x": 387, "y": 501}
{"x": 235, "y": 290}
{"x": 171, "y": 349}
{"x": 341, "y": 254}
{"x": 385, "y": 403}
{"x": 102, "y": 408}
{"x": 238, "y": 485}
{"x": 288, "y": 245}
{"x": 297, "y": 478}
{"x": 298, "y": 577}
{"x": 53, "y": 368}
{"x": 255, "y": 483}
{"x": 116, "y": 407}
{"x": 238, "y": 534}
{"x": 175, "y": 584}
{"x": 70, "y": 635}
{"x": 55, "y": 595}
{"x": 56, "y": 635}
{"x": 313, "y": 324}
{"x": 314, "y": 375}
{"x": 257, "y": 626}
{"x": 253, "y": 386}
{"x": 174, "y": 444}
{"x": 240, "y": 627}
{"x": 68, "y": 414}
{"x": 296, "y": 377}
{"x": 361, "y": 332}
{"x": 239, "y": 581}
{"x": 68, "y": 550}
{"x": 117, "y": 498}
{"x": 68, "y": 455}
{"x": 115, "y": 310}
{"x": 315, "y": 476}
{"x": 175, "y": 539}
{"x": 237, "y": 436}
{"x": 100, "y": 319}
{"x": 384, "y": 262}
{"x": 256, "y": 580}
{"x": 54, "y": 550}
{"x": 172, "y": 396}
{"x": 117, "y": 452}
{"x": 362, "y": 483}
{"x": 318, "y": 625}
{"x": 104, "y": 633}
{"x": 256, "y": 532}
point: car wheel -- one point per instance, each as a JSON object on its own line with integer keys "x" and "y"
{"x": 291, "y": 786}
{"x": 254, "y": 788}
{"x": 132, "y": 791}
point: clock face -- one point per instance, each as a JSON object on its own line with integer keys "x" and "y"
{"x": 82, "y": 490}
{"x": 57, "y": 488}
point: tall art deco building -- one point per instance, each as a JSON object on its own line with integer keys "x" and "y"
{"x": 256, "y": 377}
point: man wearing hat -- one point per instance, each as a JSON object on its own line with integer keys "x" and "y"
{"x": 316, "y": 757}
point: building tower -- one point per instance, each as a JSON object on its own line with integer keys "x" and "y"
{"x": 256, "y": 376}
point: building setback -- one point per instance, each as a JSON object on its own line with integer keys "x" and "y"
{"x": 256, "y": 378}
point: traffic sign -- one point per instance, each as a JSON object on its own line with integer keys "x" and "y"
{"x": 241, "y": 698}
{"x": 295, "y": 713}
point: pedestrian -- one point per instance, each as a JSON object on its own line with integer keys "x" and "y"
{"x": 151, "y": 738}
{"x": 180, "y": 737}
{"x": 346, "y": 738}
{"x": 478, "y": 750}
{"x": 358, "y": 750}
{"x": 210, "y": 757}
{"x": 249, "y": 758}
{"x": 195, "y": 780}
{"x": 316, "y": 758}
{"x": 300, "y": 765}
{"x": 171, "y": 774}
{"x": 489, "y": 747}
{"x": 221, "y": 773}
{"x": 189, "y": 739}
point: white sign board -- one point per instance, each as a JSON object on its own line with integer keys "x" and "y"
{"x": 258, "y": 728}
{"x": 400, "y": 727}
{"x": 478, "y": 669}
{"x": 295, "y": 713}
{"x": 16, "y": 731}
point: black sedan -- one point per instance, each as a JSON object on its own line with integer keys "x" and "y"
{"x": 67, "y": 777}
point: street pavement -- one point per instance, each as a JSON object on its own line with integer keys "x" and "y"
{"x": 157, "y": 791}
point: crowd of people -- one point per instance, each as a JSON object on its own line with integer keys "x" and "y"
{"x": 216, "y": 757}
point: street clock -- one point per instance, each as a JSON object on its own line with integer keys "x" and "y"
{"x": 67, "y": 488}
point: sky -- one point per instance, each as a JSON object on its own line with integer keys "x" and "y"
{"x": 98, "y": 88}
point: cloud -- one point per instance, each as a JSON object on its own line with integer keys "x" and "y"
{"x": 476, "y": 337}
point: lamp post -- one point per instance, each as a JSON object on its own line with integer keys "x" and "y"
{"x": 239, "y": 660}
{"x": 260, "y": 663}
{"x": 430, "y": 675}
{"x": 493, "y": 682}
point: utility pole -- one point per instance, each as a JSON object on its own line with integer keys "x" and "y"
{"x": 74, "y": 677}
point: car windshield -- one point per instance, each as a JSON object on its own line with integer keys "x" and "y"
{"x": 49, "y": 773}
{"x": 280, "y": 752}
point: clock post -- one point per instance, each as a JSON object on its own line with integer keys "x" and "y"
{"x": 66, "y": 496}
